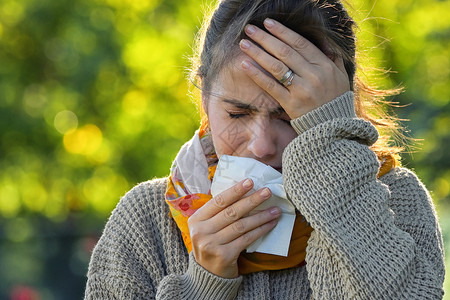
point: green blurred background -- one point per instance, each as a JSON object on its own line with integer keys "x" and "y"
{"x": 93, "y": 99}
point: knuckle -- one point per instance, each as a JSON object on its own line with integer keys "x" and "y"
{"x": 221, "y": 255}
{"x": 230, "y": 213}
{"x": 219, "y": 201}
{"x": 308, "y": 95}
{"x": 260, "y": 230}
{"x": 238, "y": 226}
{"x": 248, "y": 237}
{"x": 270, "y": 85}
{"x": 254, "y": 200}
{"x": 300, "y": 43}
{"x": 281, "y": 30}
{"x": 261, "y": 37}
{"x": 257, "y": 53}
{"x": 257, "y": 76}
{"x": 285, "y": 51}
{"x": 277, "y": 67}
{"x": 194, "y": 233}
{"x": 236, "y": 189}
{"x": 191, "y": 222}
{"x": 206, "y": 246}
{"x": 315, "y": 80}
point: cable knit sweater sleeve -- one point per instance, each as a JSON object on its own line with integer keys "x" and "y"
{"x": 139, "y": 255}
{"x": 359, "y": 248}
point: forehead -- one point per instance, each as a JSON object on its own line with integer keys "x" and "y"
{"x": 233, "y": 83}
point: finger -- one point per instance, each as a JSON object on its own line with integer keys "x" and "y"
{"x": 297, "y": 42}
{"x": 244, "y": 225}
{"x": 279, "y": 49}
{"x": 270, "y": 85}
{"x": 248, "y": 238}
{"x": 272, "y": 65}
{"x": 240, "y": 208}
{"x": 223, "y": 200}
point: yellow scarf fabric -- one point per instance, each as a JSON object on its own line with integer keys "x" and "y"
{"x": 183, "y": 204}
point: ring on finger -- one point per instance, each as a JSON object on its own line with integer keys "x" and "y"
{"x": 288, "y": 82}
{"x": 286, "y": 76}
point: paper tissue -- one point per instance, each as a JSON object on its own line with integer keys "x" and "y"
{"x": 231, "y": 170}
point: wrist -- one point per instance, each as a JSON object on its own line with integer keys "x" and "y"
{"x": 199, "y": 283}
{"x": 340, "y": 107}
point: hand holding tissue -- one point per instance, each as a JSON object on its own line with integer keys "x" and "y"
{"x": 231, "y": 170}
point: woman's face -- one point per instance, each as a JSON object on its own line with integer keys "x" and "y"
{"x": 246, "y": 121}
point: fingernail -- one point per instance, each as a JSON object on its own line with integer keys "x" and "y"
{"x": 275, "y": 211}
{"x": 245, "y": 64}
{"x": 245, "y": 44}
{"x": 247, "y": 183}
{"x": 265, "y": 193}
{"x": 269, "y": 23}
{"x": 250, "y": 29}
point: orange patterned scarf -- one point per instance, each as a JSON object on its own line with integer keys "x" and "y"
{"x": 188, "y": 189}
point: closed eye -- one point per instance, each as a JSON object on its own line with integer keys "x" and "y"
{"x": 283, "y": 117}
{"x": 236, "y": 115}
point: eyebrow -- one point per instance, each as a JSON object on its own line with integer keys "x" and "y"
{"x": 277, "y": 111}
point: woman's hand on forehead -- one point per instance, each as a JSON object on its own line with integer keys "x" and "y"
{"x": 316, "y": 78}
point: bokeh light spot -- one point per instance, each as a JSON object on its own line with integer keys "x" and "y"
{"x": 85, "y": 140}
{"x": 104, "y": 189}
{"x": 34, "y": 100}
{"x": 9, "y": 199}
{"x": 134, "y": 103}
{"x": 102, "y": 154}
{"x": 65, "y": 121}
{"x": 18, "y": 230}
{"x": 11, "y": 12}
{"x": 442, "y": 188}
{"x": 35, "y": 196}
{"x": 22, "y": 292}
{"x": 102, "y": 18}
{"x": 56, "y": 50}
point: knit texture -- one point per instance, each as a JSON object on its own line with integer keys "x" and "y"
{"x": 372, "y": 239}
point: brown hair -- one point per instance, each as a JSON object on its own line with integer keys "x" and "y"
{"x": 325, "y": 23}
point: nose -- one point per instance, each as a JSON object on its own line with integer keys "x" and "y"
{"x": 262, "y": 142}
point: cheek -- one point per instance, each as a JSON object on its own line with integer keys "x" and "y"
{"x": 285, "y": 135}
{"x": 229, "y": 136}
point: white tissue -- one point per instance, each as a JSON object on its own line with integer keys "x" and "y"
{"x": 232, "y": 169}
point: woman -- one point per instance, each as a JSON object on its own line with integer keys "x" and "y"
{"x": 278, "y": 85}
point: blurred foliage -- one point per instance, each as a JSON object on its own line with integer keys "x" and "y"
{"x": 415, "y": 45}
{"x": 93, "y": 99}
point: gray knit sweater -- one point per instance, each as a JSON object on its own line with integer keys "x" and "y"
{"x": 372, "y": 239}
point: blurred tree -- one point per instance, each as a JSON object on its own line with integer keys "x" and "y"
{"x": 93, "y": 99}
{"x": 419, "y": 54}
